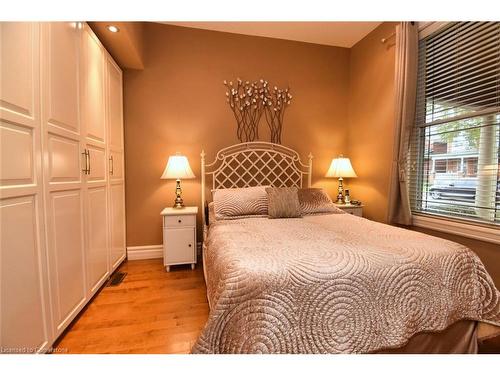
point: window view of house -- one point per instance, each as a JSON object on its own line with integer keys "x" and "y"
{"x": 456, "y": 149}
{"x": 450, "y": 169}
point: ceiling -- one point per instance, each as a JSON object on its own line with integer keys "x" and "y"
{"x": 126, "y": 45}
{"x": 339, "y": 34}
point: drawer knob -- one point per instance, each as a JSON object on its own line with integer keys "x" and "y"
{"x": 180, "y": 221}
{"x": 189, "y": 245}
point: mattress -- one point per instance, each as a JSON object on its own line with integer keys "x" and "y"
{"x": 335, "y": 284}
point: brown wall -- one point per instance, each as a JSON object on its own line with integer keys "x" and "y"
{"x": 371, "y": 119}
{"x": 177, "y": 103}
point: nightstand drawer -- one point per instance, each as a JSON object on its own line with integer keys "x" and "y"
{"x": 353, "y": 211}
{"x": 179, "y": 221}
{"x": 356, "y": 210}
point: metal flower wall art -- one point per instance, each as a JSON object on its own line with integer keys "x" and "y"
{"x": 276, "y": 102}
{"x": 248, "y": 100}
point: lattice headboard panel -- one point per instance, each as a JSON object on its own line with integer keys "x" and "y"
{"x": 255, "y": 164}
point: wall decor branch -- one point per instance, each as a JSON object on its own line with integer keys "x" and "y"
{"x": 249, "y": 100}
{"x": 275, "y": 103}
{"x": 246, "y": 102}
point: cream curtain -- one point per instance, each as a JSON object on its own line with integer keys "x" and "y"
{"x": 405, "y": 95}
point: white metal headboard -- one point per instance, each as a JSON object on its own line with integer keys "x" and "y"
{"x": 255, "y": 164}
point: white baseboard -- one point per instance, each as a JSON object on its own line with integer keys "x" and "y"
{"x": 150, "y": 251}
{"x": 144, "y": 252}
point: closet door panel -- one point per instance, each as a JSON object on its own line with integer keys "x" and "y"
{"x": 116, "y": 185}
{"x": 62, "y": 75}
{"x": 97, "y": 247}
{"x": 116, "y": 166}
{"x": 63, "y": 164}
{"x": 24, "y": 297}
{"x": 64, "y": 159}
{"x": 94, "y": 123}
{"x": 67, "y": 255}
{"x": 97, "y": 164}
{"x": 115, "y": 108}
{"x": 19, "y": 71}
{"x": 22, "y": 302}
{"x": 19, "y": 105}
{"x": 16, "y": 155}
{"x": 117, "y": 221}
{"x": 94, "y": 105}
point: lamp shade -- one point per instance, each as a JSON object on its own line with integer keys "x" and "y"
{"x": 341, "y": 167}
{"x": 177, "y": 168}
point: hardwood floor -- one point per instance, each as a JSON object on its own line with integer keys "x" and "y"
{"x": 151, "y": 311}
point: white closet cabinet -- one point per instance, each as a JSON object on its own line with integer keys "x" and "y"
{"x": 25, "y": 324}
{"x": 116, "y": 185}
{"x": 96, "y": 196}
{"x": 65, "y": 186}
{"x": 62, "y": 197}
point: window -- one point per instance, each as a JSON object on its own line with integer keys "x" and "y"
{"x": 455, "y": 148}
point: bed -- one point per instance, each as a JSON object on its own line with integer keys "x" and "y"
{"x": 331, "y": 283}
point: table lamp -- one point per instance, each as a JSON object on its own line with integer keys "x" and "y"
{"x": 341, "y": 167}
{"x": 177, "y": 168}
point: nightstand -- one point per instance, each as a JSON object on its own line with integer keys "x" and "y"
{"x": 351, "y": 209}
{"x": 179, "y": 236}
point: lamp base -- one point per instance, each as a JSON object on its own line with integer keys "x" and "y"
{"x": 340, "y": 195}
{"x": 178, "y": 202}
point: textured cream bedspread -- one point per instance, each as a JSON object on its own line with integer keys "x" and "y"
{"x": 335, "y": 284}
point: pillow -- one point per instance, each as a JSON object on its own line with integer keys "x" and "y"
{"x": 240, "y": 202}
{"x": 316, "y": 201}
{"x": 283, "y": 202}
{"x": 210, "y": 218}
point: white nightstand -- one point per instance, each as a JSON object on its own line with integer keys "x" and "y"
{"x": 351, "y": 209}
{"x": 179, "y": 236}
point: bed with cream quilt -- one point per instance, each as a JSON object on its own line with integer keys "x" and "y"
{"x": 337, "y": 283}
{"x": 326, "y": 281}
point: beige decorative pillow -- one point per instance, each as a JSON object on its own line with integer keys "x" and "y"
{"x": 283, "y": 202}
{"x": 240, "y": 202}
{"x": 210, "y": 214}
{"x": 316, "y": 201}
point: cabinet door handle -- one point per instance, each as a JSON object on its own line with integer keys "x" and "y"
{"x": 189, "y": 245}
{"x": 84, "y": 154}
{"x": 111, "y": 167}
{"x": 180, "y": 221}
{"x": 88, "y": 155}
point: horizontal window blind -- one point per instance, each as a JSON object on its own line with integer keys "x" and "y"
{"x": 454, "y": 154}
